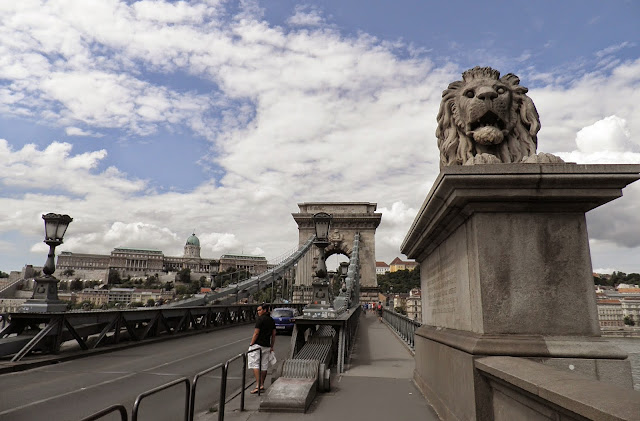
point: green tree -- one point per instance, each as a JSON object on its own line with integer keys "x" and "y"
{"x": 264, "y": 296}
{"x": 402, "y": 281}
{"x": 182, "y": 289}
{"x": 76, "y": 285}
{"x": 194, "y": 287}
{"x": 3, "y": 274}
{"x": 628, "y": 320}
{"x": 150, "y": 302}
{"x": 91, "y": 284}
{"x": 68, "y": 272}
{"x": 184, "y": 275}
{"x": 84, "y": 305}
{"x": 203, "y": 281}
{"x": 114, "y": 277}
{"x": 633, "y": 278}
{"x": 151, "y": 281}
{"x": 401, "y": 310}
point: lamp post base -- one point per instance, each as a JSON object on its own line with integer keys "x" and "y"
{"x": 45, "y": 297}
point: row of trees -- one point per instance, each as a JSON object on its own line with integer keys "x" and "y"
{"x": 401, "y": 281}
{"x": 617, "y": 278}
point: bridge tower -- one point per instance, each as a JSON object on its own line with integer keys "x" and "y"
{"x": 348, "y": 218}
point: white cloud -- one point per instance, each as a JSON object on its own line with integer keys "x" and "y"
{"x": 305, "y": 16}
{"x": 76, "y": 131}
{"x": 613, "y": 49}
{"x": 293, "y": 115}
{"x": 216, "y": 244}
{"x": 607, "y": 141}
{"x": 609, "y": 134}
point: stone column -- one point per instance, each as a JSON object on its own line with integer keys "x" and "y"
{"x": 506, "y": 270}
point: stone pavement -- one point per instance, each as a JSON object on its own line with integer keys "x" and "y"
{"x": 376, "y": 385}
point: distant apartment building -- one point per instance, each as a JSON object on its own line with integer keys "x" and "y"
{"x": 398, "y": 300}
{"x": 610, "y": 313}
{"x": 255, "y": 265}
{"x": 382, "y": 268}
{"x": 616, "y": 304}
{"x": 99, "y": 297}
{"x": 398, "y": 264}
{"x": 414, "y": 305}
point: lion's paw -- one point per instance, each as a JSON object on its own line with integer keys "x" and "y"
{"x": 483, "y": 158}
{"x": 542, "y": 158}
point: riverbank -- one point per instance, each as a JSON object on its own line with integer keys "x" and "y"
{"x": 621, "y": 333}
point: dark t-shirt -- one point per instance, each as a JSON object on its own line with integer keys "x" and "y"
{"x": 266, "y": 325}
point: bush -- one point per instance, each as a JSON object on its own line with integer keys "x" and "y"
{"x": 400, "y": 310}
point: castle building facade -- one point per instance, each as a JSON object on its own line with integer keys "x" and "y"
{"x": 138, "y": 262}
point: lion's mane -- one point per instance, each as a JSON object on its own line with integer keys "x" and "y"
{"x": 456, "y": 148}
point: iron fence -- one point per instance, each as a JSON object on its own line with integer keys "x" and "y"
{"x": 120, "y": 408}
{"x": 189, "y": 410}
{"x": 29, "y": 332}
{"x": 136, "y": 405}
{"x": 403, "y": 326}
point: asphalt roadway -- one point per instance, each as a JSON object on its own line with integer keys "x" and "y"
{"x": 74, "y": 389}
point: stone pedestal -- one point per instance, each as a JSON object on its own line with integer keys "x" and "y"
{"x": 506, "y": 270}
{"x": 45, "y": 297}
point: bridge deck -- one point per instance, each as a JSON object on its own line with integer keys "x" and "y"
{"x": 377, "y": 385}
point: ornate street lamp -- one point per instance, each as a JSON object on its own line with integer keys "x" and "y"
{"x": 45, "y": 292}
{"x": 322, "y": 222}
{"x": 344, "y": 268}
{"x": 321, "y": 301}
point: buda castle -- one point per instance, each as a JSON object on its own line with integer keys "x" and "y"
{"x": 139, "y": 262}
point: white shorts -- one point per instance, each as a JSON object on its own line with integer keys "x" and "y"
{"x": 254, "y": 357}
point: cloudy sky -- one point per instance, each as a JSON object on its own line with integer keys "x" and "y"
{"x": 147, "y": 120}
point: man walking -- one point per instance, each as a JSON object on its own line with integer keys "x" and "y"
{"x": 264, "y": 337}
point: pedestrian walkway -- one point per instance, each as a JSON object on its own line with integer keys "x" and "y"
{"x": 376, "y": 385}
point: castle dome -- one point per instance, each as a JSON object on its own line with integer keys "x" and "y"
{"x": 193, "y": 240}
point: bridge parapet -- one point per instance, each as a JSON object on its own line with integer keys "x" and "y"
{"x": 506, "y": 271}
{"x": 524, "y": 389}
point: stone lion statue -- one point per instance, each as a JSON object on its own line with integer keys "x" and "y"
{"x": 487, "y": 119}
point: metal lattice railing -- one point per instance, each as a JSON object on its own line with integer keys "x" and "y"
{"x": 403, "y": 326}
{"x": 27, "y": 332}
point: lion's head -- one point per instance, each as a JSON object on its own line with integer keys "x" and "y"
{"x": 485, "y": 118}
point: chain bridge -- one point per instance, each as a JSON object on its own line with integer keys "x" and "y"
{"x": 323, "y": 336}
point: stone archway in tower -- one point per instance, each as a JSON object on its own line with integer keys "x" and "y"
{"x": 348, "y": 218}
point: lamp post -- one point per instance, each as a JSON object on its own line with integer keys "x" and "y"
{"x": 45, "y": 293}
{"x": 344, "y": 268}
{"x": 321, "y": 295}
{"x": 322, "y": 222}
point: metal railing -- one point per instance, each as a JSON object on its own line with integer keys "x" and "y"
{"x": 136, "y": 405}
{"x": 47, "y": 331}
{"x": 248, "y": 286}
{"x": 120, "y": 408}
{"x": 189, "y": 410}
{"x": 404, "y": 327}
